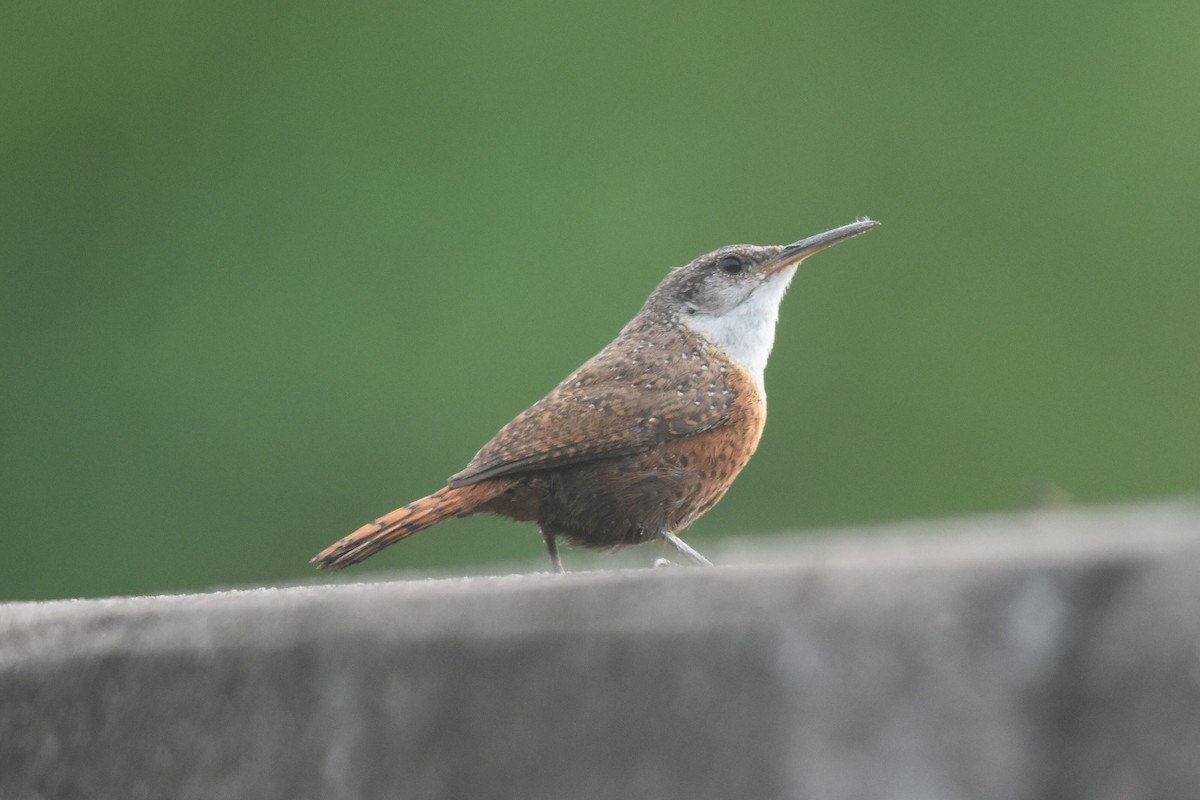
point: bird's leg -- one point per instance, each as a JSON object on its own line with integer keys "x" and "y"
{"x": 552, "y": 545}
{"x": 685, "y": 548}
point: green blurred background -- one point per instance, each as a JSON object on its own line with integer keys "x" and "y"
{"x": 265, "y": 275}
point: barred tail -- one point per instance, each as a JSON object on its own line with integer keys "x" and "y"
{"x": 405, "y": 521}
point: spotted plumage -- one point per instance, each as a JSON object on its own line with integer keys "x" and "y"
{"x": 652, "y": 384}
{"x": 644, "y": 437}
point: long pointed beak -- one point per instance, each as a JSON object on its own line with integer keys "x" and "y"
{"x": 796, "y": 252}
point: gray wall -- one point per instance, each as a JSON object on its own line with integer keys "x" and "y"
{"x": 1048, "y": 655}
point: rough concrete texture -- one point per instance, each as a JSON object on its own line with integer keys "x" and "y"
{"x": 1046, "y": 655}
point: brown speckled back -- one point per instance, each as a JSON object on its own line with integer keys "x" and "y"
{"x": 654, "y": 383}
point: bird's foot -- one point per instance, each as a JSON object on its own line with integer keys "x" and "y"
{"x": 552, "y": 546}
{"x": 686, "y": 549}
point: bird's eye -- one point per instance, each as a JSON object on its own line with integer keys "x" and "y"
{"x": 731, "y": 264}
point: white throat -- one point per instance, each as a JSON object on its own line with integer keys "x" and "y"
{"x": 746, "y": 332}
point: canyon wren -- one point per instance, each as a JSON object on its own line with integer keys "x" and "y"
{"x": 643, "y": 438}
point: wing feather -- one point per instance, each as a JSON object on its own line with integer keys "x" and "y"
{"x": 638, "y": 392}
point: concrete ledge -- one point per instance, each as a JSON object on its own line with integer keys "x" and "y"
{"x": 1046, "y": 655}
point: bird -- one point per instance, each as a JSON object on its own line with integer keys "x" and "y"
{"x": 647, "y": 435}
